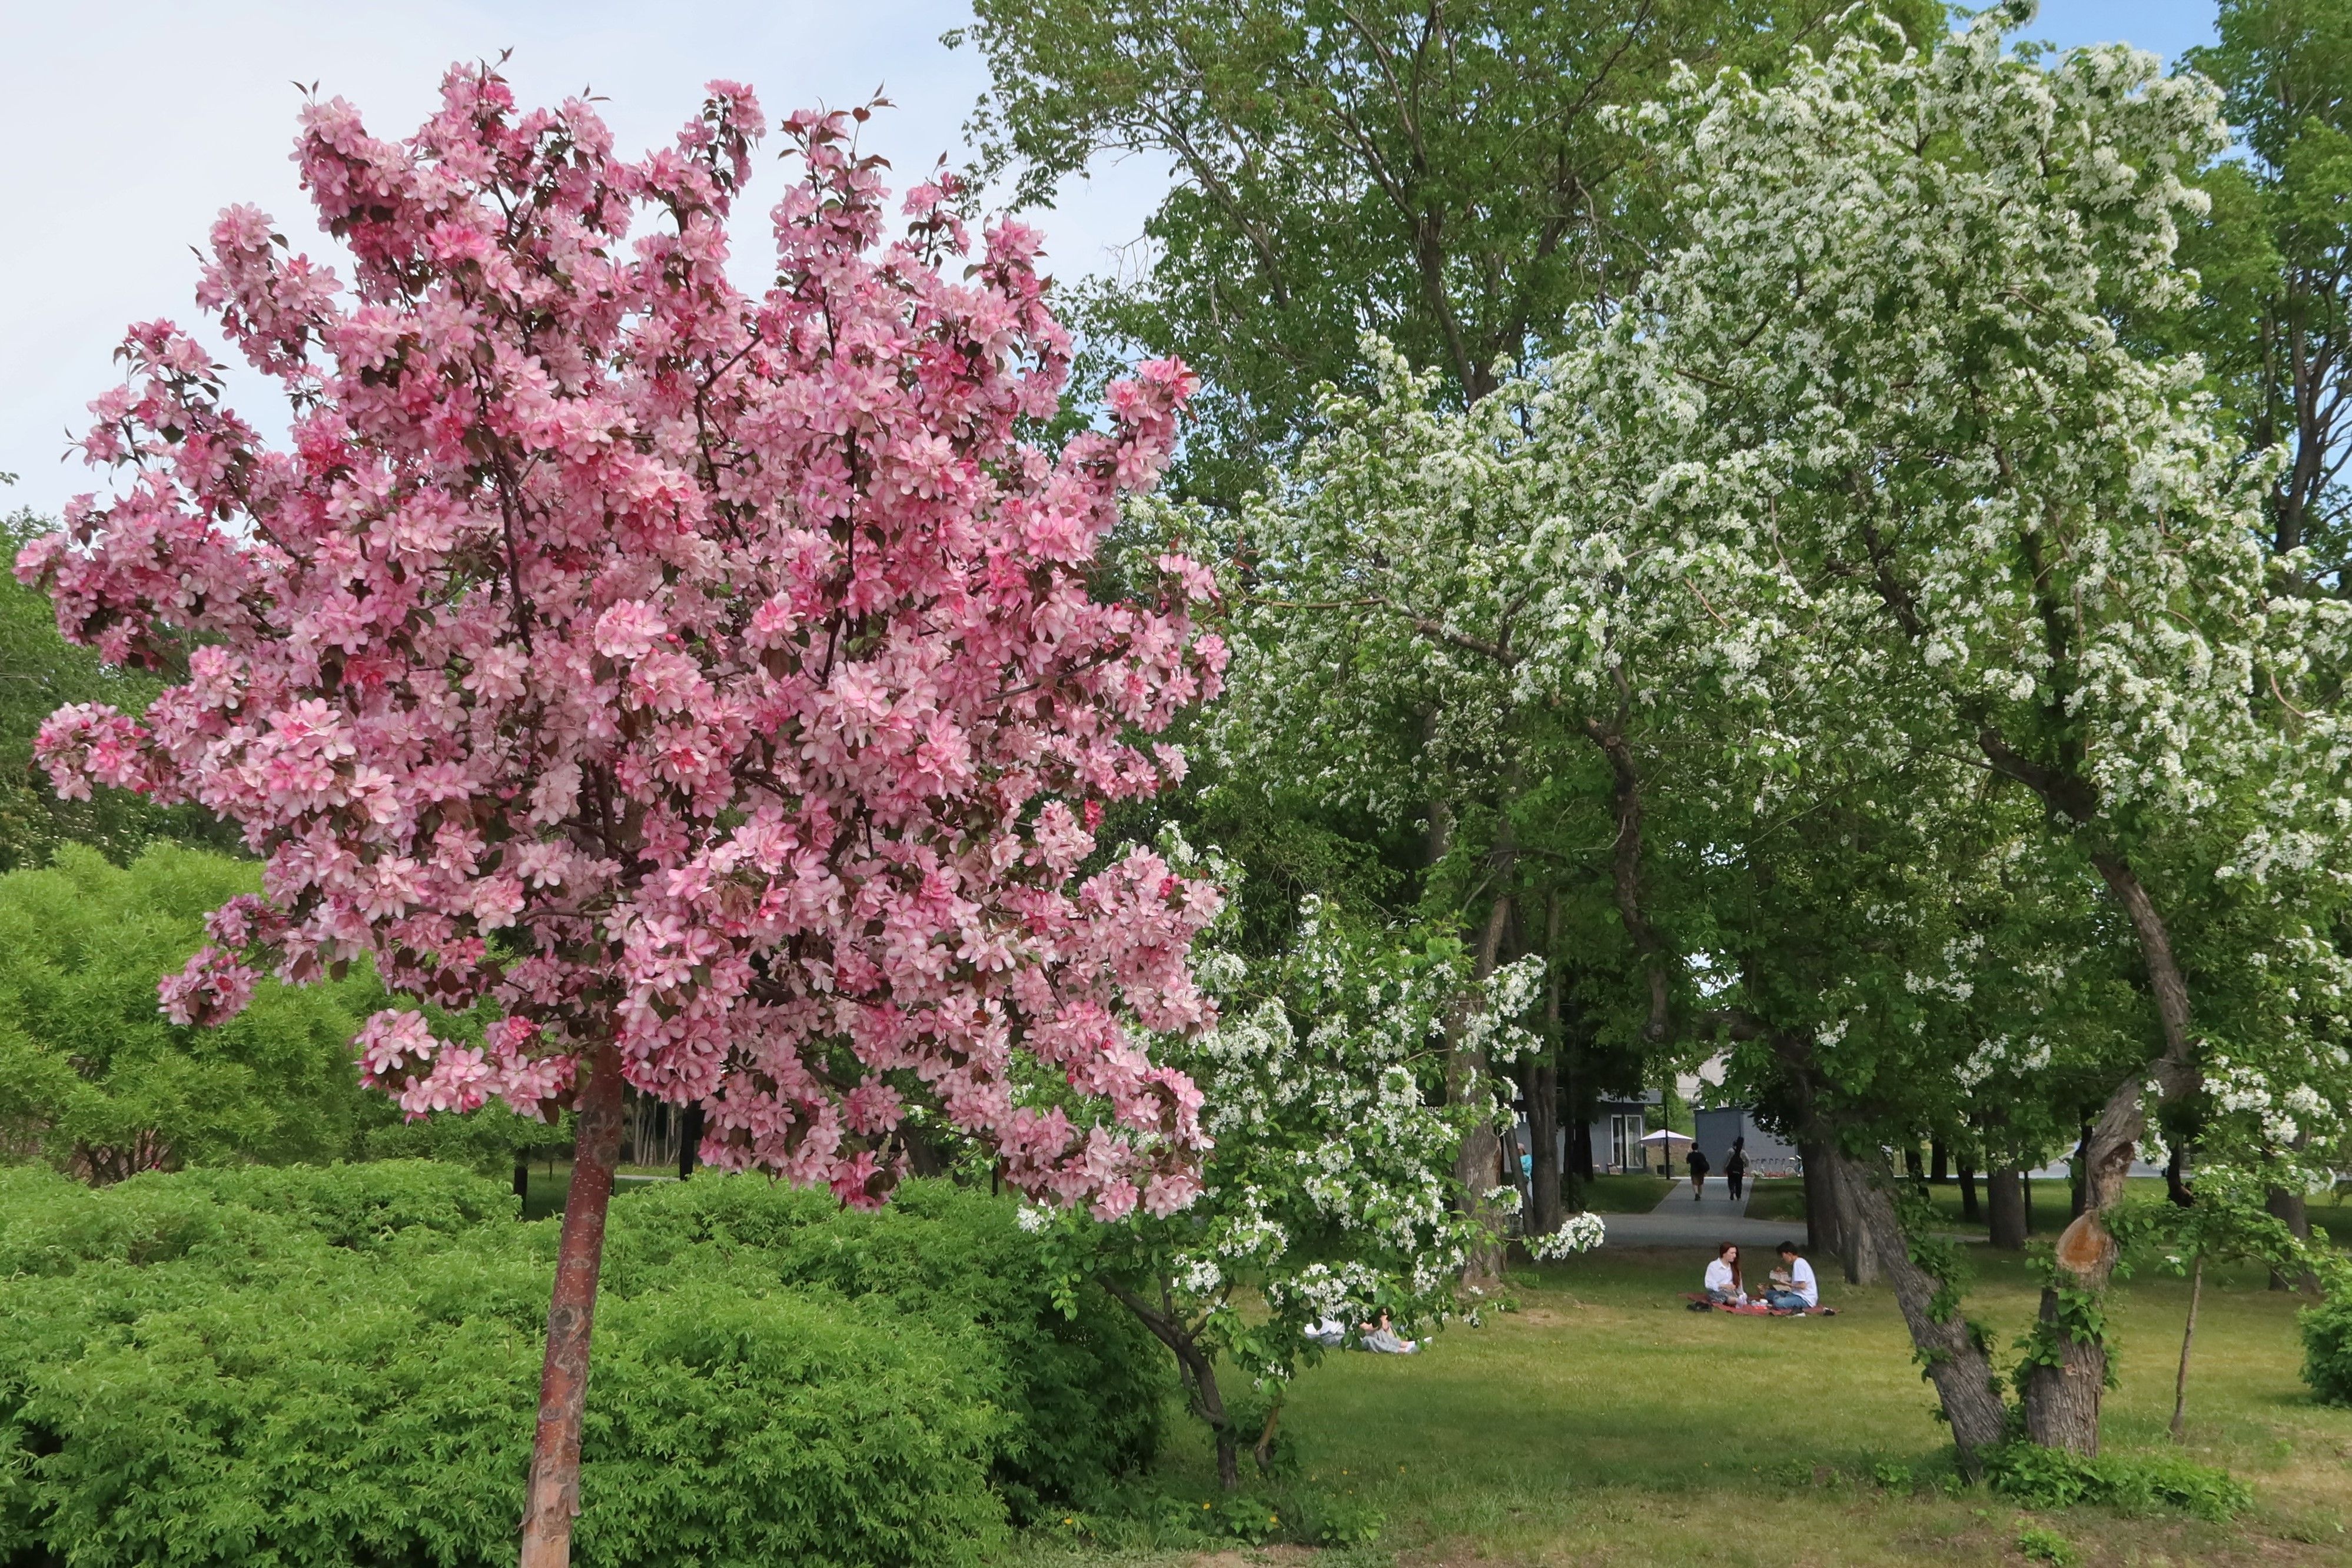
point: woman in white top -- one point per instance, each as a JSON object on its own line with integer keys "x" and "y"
{"x": 1723, "y": 1283}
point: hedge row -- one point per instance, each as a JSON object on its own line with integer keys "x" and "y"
{"x": 339, "y": 1365}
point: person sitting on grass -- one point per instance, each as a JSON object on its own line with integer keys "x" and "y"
{"x": 1724, "y": 1288}
{"x": 1793, "y": 1288}
{"x": 1382, "y": 1338}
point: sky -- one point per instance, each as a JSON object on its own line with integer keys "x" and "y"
{"x": 130, "y": 125}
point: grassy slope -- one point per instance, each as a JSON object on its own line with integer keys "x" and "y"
{"x": 1602, "y": 1425}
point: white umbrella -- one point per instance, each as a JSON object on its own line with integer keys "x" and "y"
{"x": 1669, "y": 1137}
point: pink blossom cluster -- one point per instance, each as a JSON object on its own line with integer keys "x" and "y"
{"x": 659, "y": 666}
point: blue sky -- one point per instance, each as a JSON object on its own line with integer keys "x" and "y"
{"x": 131, "y": 122}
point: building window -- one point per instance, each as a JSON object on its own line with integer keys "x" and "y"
{"x": 1625, "y": 1150}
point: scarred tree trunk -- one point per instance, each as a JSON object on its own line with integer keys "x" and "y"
{"x": 553, "y": 1501}
{"x": 2068, "y": 1375}
{"x": 1956, "y": 1360}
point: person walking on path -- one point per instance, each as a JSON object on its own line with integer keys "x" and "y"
{"x": 1735, "y": 1167}
{"x": 1698, "y": 1169}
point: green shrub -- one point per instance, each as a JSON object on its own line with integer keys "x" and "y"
{"x": 302, "y": 1367}
{"x": 2328, "y": 1350}
{"x": 2134, "y": 1483}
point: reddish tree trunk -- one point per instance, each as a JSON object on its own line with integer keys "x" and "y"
{"x": 553, "y": 1501}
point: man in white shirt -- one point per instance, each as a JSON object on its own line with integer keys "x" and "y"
{"x": 1794, "y": 1288}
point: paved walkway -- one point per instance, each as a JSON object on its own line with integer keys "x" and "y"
{"x": 1714, "y": 1219}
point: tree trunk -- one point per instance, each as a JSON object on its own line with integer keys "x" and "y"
{"x": 2063, "y": 1385}
{"x": 1956, "y": 1359}
{"x": 1541, "y": 1080}
{"x": 1970, "y": 1213}
{"x": 553, "y": 1501}
{"x": 2188, "y": 1337}
{"x": 2005, "y": 1209}
{"x": 1199, "y": 1370}
{"x": 2176, "y": 1177}
{"x": 1860, "y": 1249}
{"x": 1940, "y": 1161}
{"x": 2078, "y": 1198}
{"x": 1478, "y": 1161}
{"x": 2293, "y": 1210}
{"x": 1822, "y": 1236}
{"x": 690, "y": 1140}
{"x": 521, "y": 1178}
{"x": 1263, "y": 1450}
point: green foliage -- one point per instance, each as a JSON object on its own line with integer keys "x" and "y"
{"x": 339, "y": 1365}
{"x": 2040, "y": 1543}
{"x": 93, "y": 1078}
{"x": 39, "y": 673}
{"x": 2132, "y": 1483}
{"x": 2327, "y": 1342}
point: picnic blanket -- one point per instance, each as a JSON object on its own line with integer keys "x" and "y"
{"x": 1699, "y": 1303}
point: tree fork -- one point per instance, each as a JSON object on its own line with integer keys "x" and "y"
{"x": 554, "y": 1500}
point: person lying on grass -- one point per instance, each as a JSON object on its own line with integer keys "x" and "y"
{"x": 1794, "y": 1288}
{"x": 1724, "y": 1287}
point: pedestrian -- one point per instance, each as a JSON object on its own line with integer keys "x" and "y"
{"x": 1698, "y": 1169}
{"x": 1735, "y": 1167}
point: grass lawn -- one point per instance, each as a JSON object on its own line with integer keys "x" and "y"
{"x": 1626, "y": 1195}
{"x": 1600, "y": 1423}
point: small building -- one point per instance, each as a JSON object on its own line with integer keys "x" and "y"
{"x": 1768, "y": 1153}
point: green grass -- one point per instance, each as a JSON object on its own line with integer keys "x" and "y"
{"x": 1626, "y": 1195}
{"x": 1600, "y": 1424}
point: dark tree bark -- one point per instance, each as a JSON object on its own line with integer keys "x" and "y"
{"x": 2176, "y": 1177}
{"x": 1957, "y": 1360}
{"x": 1970, "y": 1213}
{"x": 1822, "y": 1235}
{"x": 2294, "y": 1212}
{"x": 1198, "y": 1371}
{"x": 521, "y": 1178}
{"x": 1939, "y": 1161}
{"x": 553, "y": 1501}
{"x": 690, "y": 1140}
{"x": 2005, "y": 1209}
{"x": 1539, "y": 1083}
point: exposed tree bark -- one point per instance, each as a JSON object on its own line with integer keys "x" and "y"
{"x": 553, "y": 1501}
{"x": 2005, "y": 1206}
{"x": 2176, "y": 1177}
{"x": 1823, "y": 1238}
{"x": 1970, "y": 1213}
{"x": 2188, "y": 1337}
{"x": 1199, "y": 1374}
{"x": 1861, "y": 1251}
{"x": 690, "y": 1140}
{"x": 1478, "y": 1162}
{"x": 2290, "y": 1209}
{"x": 1263, "y": 1451}
{"x": 1540, "y": 1081}
{"x": 2063, "y": 1392}
{"x": 2078, "y": 1198}
{"x": 521, "y": 1178}
{"x": 1940, "y": 1161}
{"x": 1957, "y": 1360}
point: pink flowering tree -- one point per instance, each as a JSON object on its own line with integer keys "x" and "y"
{"x": 705, "y": 684}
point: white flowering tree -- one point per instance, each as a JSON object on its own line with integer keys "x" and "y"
{"x": 1329, "y": 1195}
{"x": 1883, "y": 371}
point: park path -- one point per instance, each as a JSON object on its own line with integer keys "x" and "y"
{"x": 1714, "y": 1219}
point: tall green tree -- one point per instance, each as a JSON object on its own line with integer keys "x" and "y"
{"x": 1447, "y": 176}
{"x": 2275, "y": 317}
{"x": 94, "y": 1080}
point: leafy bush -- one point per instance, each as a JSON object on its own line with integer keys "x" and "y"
{"x": 2327, "y": 1348}
{"x": 93, "y": 1078}
{"x": 2134, "y": 1483}
{"x": 326, "y": 1367}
